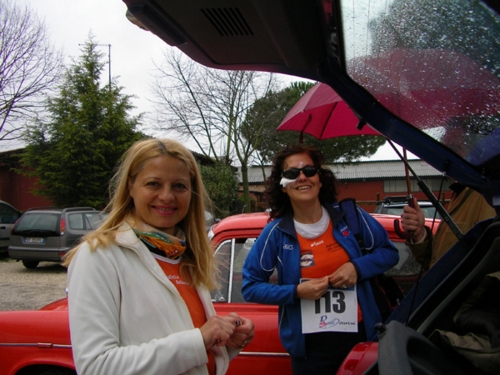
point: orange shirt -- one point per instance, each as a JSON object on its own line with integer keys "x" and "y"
{"x": 192, "y": 299}
{"x": 321, "y": 256}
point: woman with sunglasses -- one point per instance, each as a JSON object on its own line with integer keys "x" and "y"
{"x": 326, "y": 304}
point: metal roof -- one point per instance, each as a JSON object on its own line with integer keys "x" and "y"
{"x": 369, "y": 170}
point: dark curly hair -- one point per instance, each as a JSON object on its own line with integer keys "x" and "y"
{"x": 279, "y": 202}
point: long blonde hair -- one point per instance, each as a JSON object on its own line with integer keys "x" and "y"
{"x": 198, "y": 260}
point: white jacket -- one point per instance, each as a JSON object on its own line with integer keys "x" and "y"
{"x": 126, "y": 317}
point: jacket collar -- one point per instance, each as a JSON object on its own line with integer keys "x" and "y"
{"x": 286, "y": 223}
{"x": 126, "y": 238}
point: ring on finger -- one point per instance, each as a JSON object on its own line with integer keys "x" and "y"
{"x": 344, "y": 286}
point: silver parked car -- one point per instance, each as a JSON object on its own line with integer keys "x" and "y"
{"x": 47, "y": 234}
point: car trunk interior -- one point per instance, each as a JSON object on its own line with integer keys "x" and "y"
{"x": 444, "y": 292}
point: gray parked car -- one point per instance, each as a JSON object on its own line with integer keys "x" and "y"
{"x": 8, "y": 217}
{"x": 47, "y": 234}
{"x": 394, "y": 205}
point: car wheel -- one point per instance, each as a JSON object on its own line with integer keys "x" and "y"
{"x": 30, "y": 263}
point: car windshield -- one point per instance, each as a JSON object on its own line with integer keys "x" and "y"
{"x": 435, "y": 65}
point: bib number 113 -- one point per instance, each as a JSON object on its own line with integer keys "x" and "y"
{"x": 335, "y": 311}
{"x": 331, "y": 301}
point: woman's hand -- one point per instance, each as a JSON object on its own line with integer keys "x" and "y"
{"x": 218, "y": 330}
{"x": 231, "y": 330}
{"x": 243, "y": 332}
{"x": 312, "y": 289}
{"x": 344, "y": 277}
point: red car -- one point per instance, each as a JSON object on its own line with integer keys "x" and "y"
{"x": 38, "y": 342}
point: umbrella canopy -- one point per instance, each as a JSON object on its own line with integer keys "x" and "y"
{"x": 322, "y": 113}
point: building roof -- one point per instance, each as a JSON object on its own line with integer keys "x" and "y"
{"x": 388, "y": 169}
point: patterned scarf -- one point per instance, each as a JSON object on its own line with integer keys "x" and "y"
{"x": 171, "y": 246}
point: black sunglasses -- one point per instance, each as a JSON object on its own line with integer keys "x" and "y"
{"x": 293, "y": 173}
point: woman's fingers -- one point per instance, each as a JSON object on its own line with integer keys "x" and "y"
{"x": 217, "y": 330}
{"x": 231, "y": 330}
{"x": 344, "y": 277}
{"x": 243, "y": 333}
{"x": 312, "y": 289}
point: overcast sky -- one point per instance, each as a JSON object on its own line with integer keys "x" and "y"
{"x": 133, "y": 50}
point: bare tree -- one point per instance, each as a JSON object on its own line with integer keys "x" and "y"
{"x": 29, "y": 66}
{"x": 209, "y": 107}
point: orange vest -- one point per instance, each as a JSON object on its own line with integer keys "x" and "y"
{"x": 321, "y": 256}
{"x": 192, "y": 300}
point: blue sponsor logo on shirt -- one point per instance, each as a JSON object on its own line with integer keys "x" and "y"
{"x": 345, "y": 231}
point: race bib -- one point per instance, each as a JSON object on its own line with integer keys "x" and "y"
{"x": 335, "y": 311}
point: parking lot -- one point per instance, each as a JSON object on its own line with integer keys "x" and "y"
{"x": 24, "y": 289}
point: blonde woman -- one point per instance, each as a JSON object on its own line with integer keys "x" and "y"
{"x": 139, "y": 300}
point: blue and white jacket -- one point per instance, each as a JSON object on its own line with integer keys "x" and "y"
{"x": 278, "y": 247}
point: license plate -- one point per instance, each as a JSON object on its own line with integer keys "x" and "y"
{"x": 33, "y": 240}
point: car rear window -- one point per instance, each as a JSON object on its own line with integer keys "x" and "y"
{"x": 39, "y": 221}
{"x": 433, "y": 67}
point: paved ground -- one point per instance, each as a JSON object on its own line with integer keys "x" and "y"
{"x": 24, "y": 289}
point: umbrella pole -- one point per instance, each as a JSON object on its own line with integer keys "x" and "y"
{"x": 439, "y": 207}
{"x": 301, "y": 137}
{"x": 409, "y": 199}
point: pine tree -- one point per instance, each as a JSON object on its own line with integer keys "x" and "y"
{"x": 74, "y": 152}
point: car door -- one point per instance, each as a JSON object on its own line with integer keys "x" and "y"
{"x": 264, "y": 354}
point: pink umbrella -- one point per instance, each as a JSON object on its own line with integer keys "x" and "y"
{"x": 322, "y": 113}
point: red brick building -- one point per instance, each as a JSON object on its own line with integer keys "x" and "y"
{"x": 368, "y": 182}
{"x": 15, "y": 188}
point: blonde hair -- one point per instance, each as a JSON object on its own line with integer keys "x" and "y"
{"x": 197, "y": 261}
